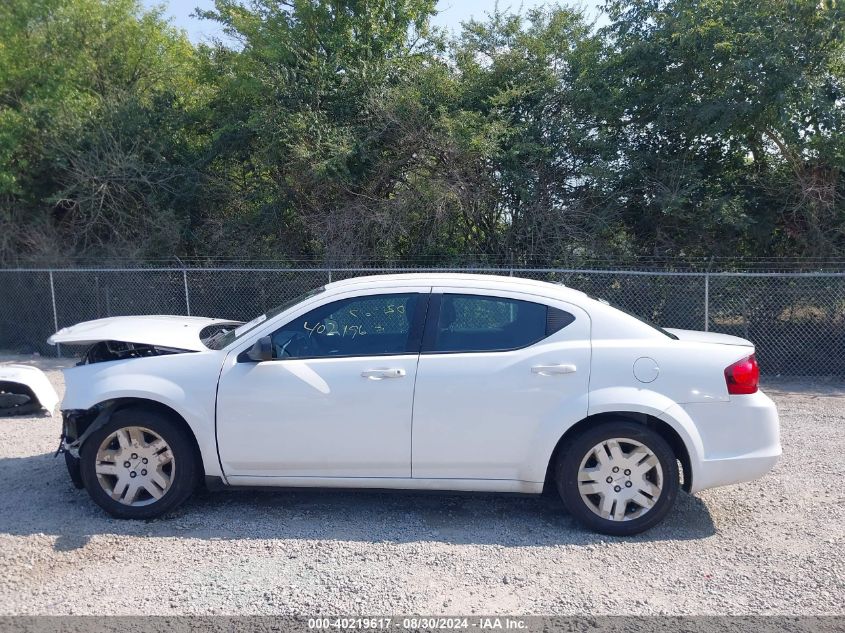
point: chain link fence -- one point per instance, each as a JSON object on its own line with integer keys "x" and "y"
{"x": 797, "y": 320}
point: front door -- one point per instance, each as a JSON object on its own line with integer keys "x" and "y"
{"x": 335, "y": 400}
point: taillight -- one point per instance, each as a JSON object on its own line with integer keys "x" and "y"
{"x": 743, "y": 376}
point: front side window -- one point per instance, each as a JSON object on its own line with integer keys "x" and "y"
{"x": 373, "y": 325}
{"x": 475, "y": 323}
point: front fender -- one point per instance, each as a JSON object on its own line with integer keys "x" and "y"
{"x": 185, "y": 383}
{"x": 126, "y": 386}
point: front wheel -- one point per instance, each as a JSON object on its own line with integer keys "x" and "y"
{"x": 618, "y": 478}
{"x": 139, "y": 465}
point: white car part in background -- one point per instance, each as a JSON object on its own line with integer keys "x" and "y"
{"x": 25, "y": 389}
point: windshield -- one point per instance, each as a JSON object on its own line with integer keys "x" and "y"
{"x": 229, "y": 336}
{"x": 639, "y": 318}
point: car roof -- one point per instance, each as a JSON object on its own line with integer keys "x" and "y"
{"x": 458, "y": 280}
{"x": 607, "y": 322}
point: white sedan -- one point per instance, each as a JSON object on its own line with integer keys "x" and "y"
{"x": 417, "y": 381}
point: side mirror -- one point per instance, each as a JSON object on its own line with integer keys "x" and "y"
{"x": 261, "y": 350}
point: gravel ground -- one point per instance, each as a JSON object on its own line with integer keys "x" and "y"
{"x": 773, "y": 546}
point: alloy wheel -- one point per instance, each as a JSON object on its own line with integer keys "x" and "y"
{"x": 620, "y": 479}
{"x": 135, "y": 466}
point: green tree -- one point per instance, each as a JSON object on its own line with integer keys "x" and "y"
{"x": 70, "y": 71}
{"x": 728, "y": 115}
{"x": 296, "y": 146}
{"x": 350, "y": 130}
{"x": 515, "y": 84}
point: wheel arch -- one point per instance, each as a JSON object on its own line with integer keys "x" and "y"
{"x": 100, "y": 414}
{"x": 660, "y": 426}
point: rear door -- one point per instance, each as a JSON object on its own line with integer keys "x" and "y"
{"x": 495, "y": 367}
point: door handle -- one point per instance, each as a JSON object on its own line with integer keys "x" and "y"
{"x": 379, "y": 374}
{"x": 548, "y": 370}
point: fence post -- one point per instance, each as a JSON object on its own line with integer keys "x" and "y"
{"x": 187, "y": 296}
{"x": 330, "y": 275}
{"x": 55, "y": 313}
{"x": 707, "y": 302}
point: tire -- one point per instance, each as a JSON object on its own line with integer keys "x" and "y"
{"x": 119, "y": 448}
{"x": 72, "y": 464}
{"x": 636, "y": 498}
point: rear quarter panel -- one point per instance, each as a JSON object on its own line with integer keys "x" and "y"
{"x": 690, "y": 376}
{"x": 687, "y": 371}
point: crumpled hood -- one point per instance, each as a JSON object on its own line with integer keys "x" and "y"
{"x": 696, "y": 336}
{"x": 177, "y": 332}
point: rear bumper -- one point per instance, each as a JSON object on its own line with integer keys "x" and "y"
{"x": 740, "y": 440}
{"x": 734, "y": 470}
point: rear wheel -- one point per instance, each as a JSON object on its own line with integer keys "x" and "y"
{"x": 618, "y": 478}
{"x": 139, "y": 465}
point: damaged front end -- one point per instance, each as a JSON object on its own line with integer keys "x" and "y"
{"x": 105, "y": 351}
{"x": 117, "y": 338}
{"x": 77, "y": 425}
{"x": 122, "y": 364}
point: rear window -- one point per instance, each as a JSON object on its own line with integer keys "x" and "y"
{"x": 649, "y": 323}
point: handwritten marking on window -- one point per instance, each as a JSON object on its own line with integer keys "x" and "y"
{"x": 330, "y": 327}
{"x": 319, "y": 328}
{"x": 388, "y": 309}
{"x": 354, "y": 330}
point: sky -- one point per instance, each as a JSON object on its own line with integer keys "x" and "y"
{"x": 451, "y": 13}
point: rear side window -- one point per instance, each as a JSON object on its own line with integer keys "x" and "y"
{"x": 475, "y": 323}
